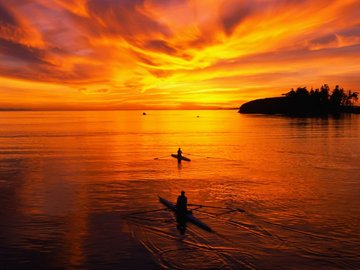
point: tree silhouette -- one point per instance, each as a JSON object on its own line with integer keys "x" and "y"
{"x": 321, "y": 101}
{"x": 304, "y": 102}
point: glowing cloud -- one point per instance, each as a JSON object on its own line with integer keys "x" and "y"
{"x": 172, "y": 53}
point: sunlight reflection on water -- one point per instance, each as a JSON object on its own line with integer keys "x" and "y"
{"x": 70, "y": 179}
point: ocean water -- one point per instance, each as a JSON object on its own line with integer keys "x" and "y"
{"x": 80, "y": 190}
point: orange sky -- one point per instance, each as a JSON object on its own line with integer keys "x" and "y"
{"x": 134, "y": 54}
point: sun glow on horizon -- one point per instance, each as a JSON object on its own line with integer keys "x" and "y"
{"x": 172, "y": 54}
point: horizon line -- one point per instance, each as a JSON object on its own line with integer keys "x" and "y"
{"x": 114, "y": 109}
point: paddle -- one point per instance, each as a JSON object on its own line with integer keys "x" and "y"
{"x": 145, "y": 212}
{"x": 196, "y": 208}
{"x": 218, "y": 207}
{"x": 206, "y": 156}
{"x": 160, "y": 157}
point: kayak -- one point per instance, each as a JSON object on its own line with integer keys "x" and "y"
{"x": 189, "y": 216}
{"x": 181, "y": 158}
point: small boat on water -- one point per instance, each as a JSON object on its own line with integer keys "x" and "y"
{"x": 180, "y": 158}
{"x": 189, "y": 216}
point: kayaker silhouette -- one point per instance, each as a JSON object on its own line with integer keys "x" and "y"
{"x": 181, "y": 204}
{"x": 179, "y": 156}
{"x": 179, "y": 153}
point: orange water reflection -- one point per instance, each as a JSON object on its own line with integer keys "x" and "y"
{"x": 68, "y": 178}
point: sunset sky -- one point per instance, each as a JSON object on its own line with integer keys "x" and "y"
{"x": 138, "y": 54}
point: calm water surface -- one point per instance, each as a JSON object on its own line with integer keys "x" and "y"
{"x": 72, "y": 185}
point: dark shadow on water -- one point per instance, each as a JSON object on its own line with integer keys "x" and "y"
{"x": 181, "y": 223}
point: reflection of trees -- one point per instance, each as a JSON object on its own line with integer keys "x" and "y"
{"x": 320, "y": 101}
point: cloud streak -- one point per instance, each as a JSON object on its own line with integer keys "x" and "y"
{"x": 155, "y": 52}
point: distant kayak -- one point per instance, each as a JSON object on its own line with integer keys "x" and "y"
{"x": 180, "y": 158}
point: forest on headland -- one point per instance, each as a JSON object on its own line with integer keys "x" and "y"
{"x": 301, "y": 101}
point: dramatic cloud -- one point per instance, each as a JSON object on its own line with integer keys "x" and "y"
{"x": 173, "y": 53}
{"x": 6, "y": 17}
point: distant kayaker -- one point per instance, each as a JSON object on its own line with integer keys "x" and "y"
{"x": 179, "y": 153}
{"x": 181, "y": 204}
